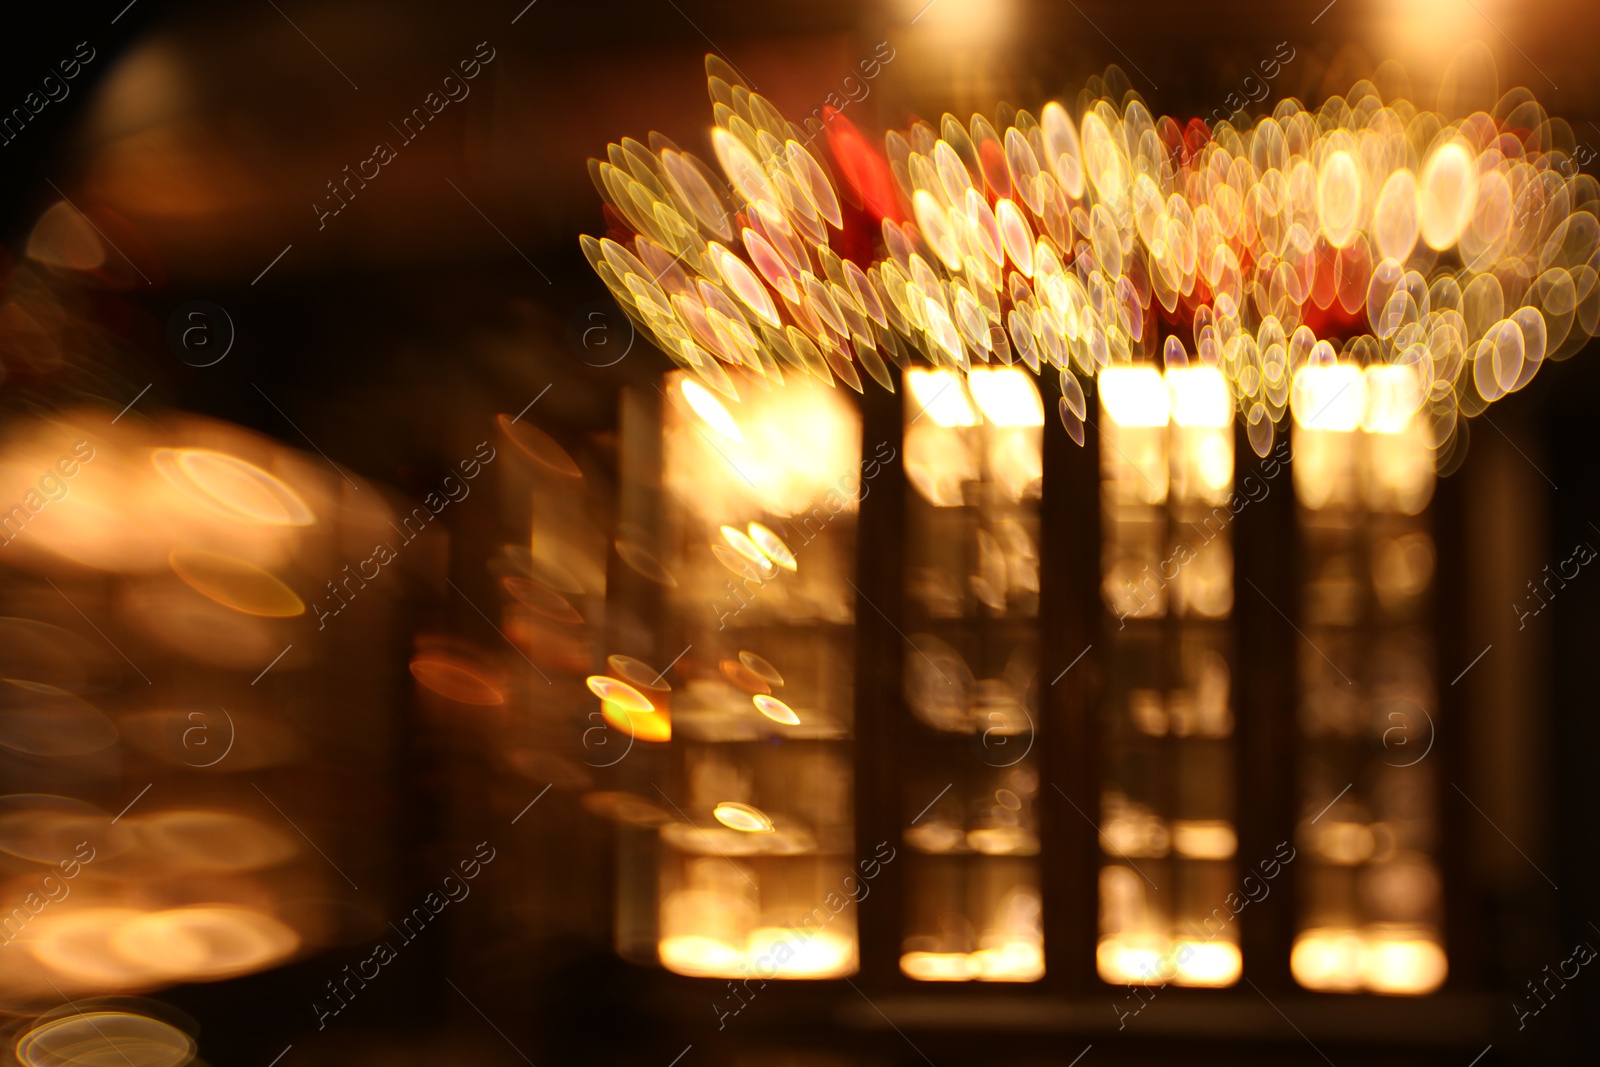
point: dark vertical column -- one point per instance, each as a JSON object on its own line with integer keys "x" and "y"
{"x": 636, "y": 607}
{"x": 1266, "y": 596}
{"x": 1070, "y": 618}
{"x": 1448, "y": 734}
{"x": 638, "y": 622}
{"x": 879, "y": 705}
{"x": 1574, "y": 636}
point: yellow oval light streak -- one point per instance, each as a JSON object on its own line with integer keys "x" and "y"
{"x": 240, "y": 489}
{"x": 711, "y": 411}
{"x": 770, "y": 264}
{"x": 235, "y": 584}
{"x": 621, "y": 694}
{"x": 935, "y": 227}
{"x": 814, "y": 182}
{"x": 78, "y": 1039}
{"x": 1015, "y": 235}
{"x": 1446, "y": 194}
{"x": 638, "y": 673}
{"x": 653, "y": 726}
{"x": 204, "y": 942}
{"x": 1339, "y": 198}
{"x": 773, "y": 546}
{"x": 776, "y": 710}
{"x": 455, "y": 680}
{"x": 1103, "y": 160}
{"x": 744, "y": 283}
{"x": 538, "y": 446}
{"x": 1394, "y": 216}
{"x": 761, "y": 667}
{"x": 1061, "y": 146}
{"x": 745, "y": 547}
{"x": 943, "y": 332}
{"x": 742, "y": 168}
{"x": 744, "y": 677}
{"x": 736, "y": 816}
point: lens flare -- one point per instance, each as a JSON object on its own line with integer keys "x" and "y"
{"x": 736, "y": 816}
{"x": 621, "y": 694}
{"x": 776, "y": 710}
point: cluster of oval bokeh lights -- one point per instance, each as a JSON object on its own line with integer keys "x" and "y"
{"x": 174, "y": 534}
{"x": 158, "y": 657}
{"x": 1459, "y": 247}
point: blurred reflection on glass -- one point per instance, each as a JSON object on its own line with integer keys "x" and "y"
{"x": 973, "y": 462}
{"x": 172, "y": 595}
{"x": 727, "y": 690}
{"x": 1371, "y": 905}
{"x": 1168, "y": 840}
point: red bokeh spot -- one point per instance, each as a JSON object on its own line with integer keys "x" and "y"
{"x": 863, "y": 166}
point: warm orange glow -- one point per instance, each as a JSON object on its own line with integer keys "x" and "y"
{"x": 1380, "y": 958}
{"x": 936, "y": 966}
{"x": 1329, "y": 397}
{"x": 542, "y": 599}
{"x": 776, "y": 710}
{"x": 728, "y": 458}
{"x": 626, "y": 808}
{"x": 655, "y": 726}
{"x": 1330, "y": 960}
{"x": 1446, "y": 193}
{"x": 619, "y": 694}
{"x": 121, "y": 947}
{"x": 744, "y": 677}
{"x": 236, "y": 489}
{"x": 1208, "y": 964}
{"x": 455, "y": 679}
{"x": 76, "y": 944}
{"x": 64, "y": 237}
{"x": 1404, "y": 961}
{"x": 1198, "y": 396}
{"x": 1204, "y": 839}
{"x": 761, "y": 667}
{"x": 736, "y": 816}
{"x": 81, "y": 1037}
{"x": 1134, "y": 396}
{"x": 826, "y": 954}
{"x": 1006, "y": 396}
{"x": 702, "y": 957}
{"x": 1015, "y": 961}
{"x": 1130, "y": 960}
{"x": 1394, "y": 395}
{"x": 640, "y": 675}
{"x": 710, "y": 410}
{"x": 741, "y": 543}
{"x": 539, "y": 447}
{"x": 773, "y": 547}
{"x": 941, "y": 395}
{"x": 201, "y": 839}
{"x": 205, "y": 943}
{"x": 235, "y": 584}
